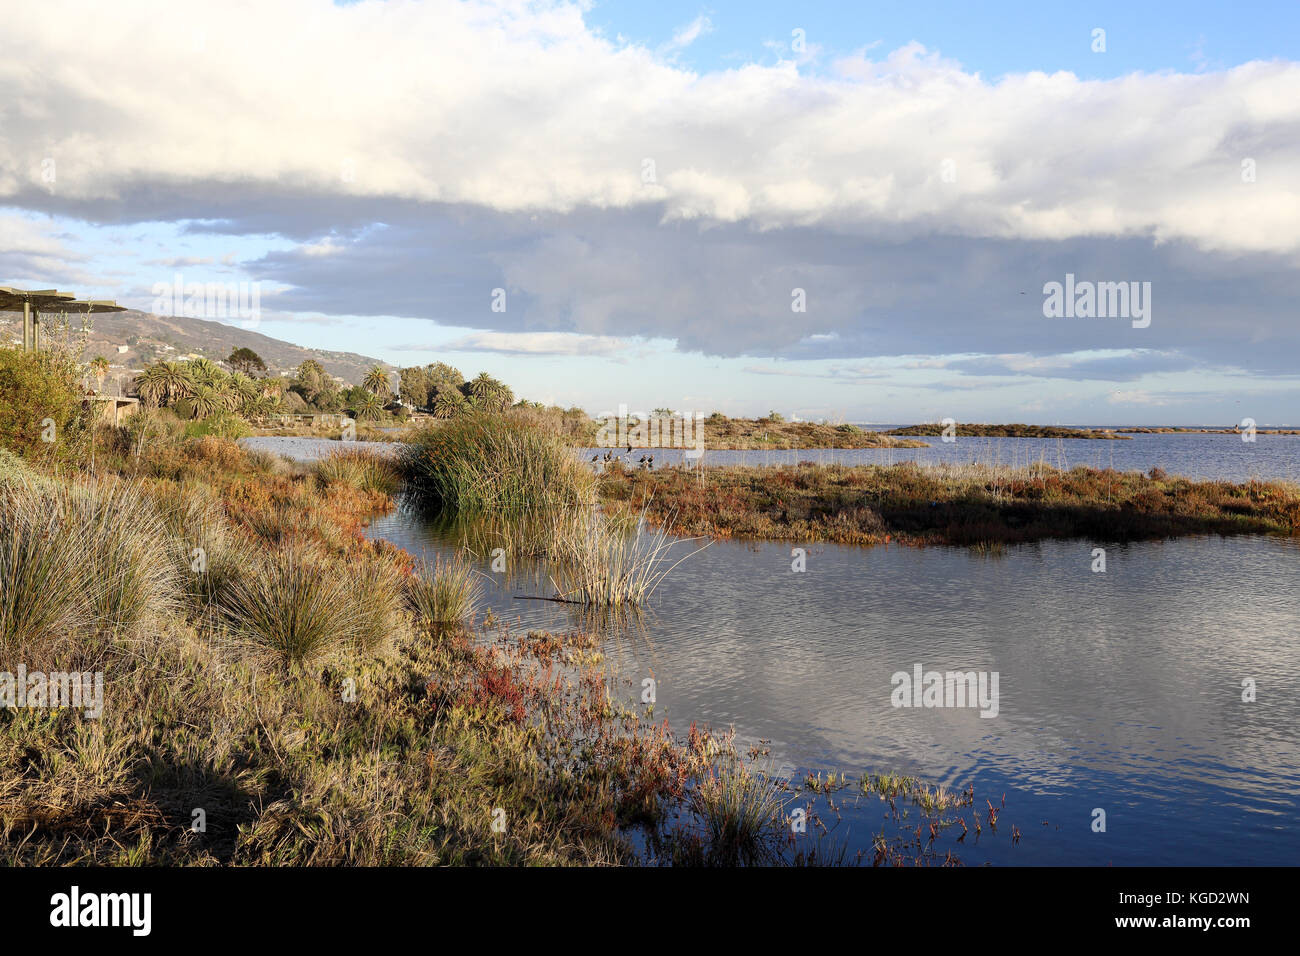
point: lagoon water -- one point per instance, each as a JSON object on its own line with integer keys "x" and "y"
{"x": 1193, "y": 455}
{"x": 1118, "y": 691}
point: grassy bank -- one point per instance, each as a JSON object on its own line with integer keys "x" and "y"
{"x": 967, "y": 430}
{"x": 959, "y": 505}
{"x": 280, "y": 690}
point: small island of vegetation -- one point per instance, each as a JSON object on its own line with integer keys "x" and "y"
{"x": 968, "y": 430}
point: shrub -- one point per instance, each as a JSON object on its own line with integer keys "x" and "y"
{"x": 36, "y": 391}
{"x": 479, "y": 463}
{"x": 221, "y": 425}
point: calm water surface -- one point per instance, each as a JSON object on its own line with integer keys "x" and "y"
{"x": 1119, "y": 691}
{"x": 1196, "y": 456}
{"x": 1193, "y": 455}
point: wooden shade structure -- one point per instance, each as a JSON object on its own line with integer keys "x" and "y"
{"x": 30, "y": 304}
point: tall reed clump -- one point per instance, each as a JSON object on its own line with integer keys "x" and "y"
{"x": 443, "y": 594}
{"x": 46, "y": 587}
{"x": 208, "y": 553}
{"x": 481, "y": 463}
{"x": 361, "y": 469}
{"x": 76, "y": 558}
{"x": 128, "y": 556}
{"x": 377, "y": 601}
{"x": 611, "y": 561}
{"x": 295, "y": 606}
{"x": 741, "y": 812}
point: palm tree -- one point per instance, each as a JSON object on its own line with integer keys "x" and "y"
{"x": 99, "y": 368}
{"x": 204, "y": 401}
{"x": 488, "y": 393}
{"x": 376, "y": 382}
{"x": 205, "y": 371}
{"x": 149, "y": 386}
{"x": 244, "y": 390}
{"x": 482, "y": 386}
{"x": 449, "y": 403}
{"x": 369, "y": 407}
{"x": 165, "y": 382}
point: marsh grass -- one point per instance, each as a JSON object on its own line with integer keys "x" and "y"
{"x": 294, "y": 606}
{"x": 377, "y": 602}
{"x": 742, "y": 813}
{"x": 137, "y": 581}
{"x": 209, "y": 554}
{"x": 490, "y": 463}
{"x": 47, "y": 594}
{"x": 443, "y": 594}
{"x": 977, "y": 504}
{"x": 81, "y": 557}
{"x": 611, "y": 560}
{"x": 361, "y": 469}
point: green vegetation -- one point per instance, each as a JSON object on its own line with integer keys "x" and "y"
{"x": 246, "y": 360}
{"x": 294, "y": 606}
{"x": 320, "y": 699}
{"x": 604, "y": 562}
{"x": 40, "y": 403}
{"x": 443, "y": 595}
{"x": 482, "y": 463}
{"x": 200, "y": 389}
{"x": 220, "y": 424}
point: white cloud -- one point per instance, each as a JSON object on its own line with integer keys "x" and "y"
{"x": 538, "y": 343}
{"x": 690, "y": 33}
{"x": 518, "y": 106}
{"x": 1136, "y": 396}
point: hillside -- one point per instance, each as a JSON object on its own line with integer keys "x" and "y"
{"x": 149, "y": 338}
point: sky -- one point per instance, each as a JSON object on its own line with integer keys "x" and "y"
{"x": 833, "y": 210}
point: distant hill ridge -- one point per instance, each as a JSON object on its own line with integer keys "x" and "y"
{"x": 150, "y": 338}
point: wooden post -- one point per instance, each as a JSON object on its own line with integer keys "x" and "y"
{"x": 27, "y": 326}
{"x": 36, "y": 329}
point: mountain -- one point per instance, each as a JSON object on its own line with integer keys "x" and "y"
{"x": 132, "y": 340}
